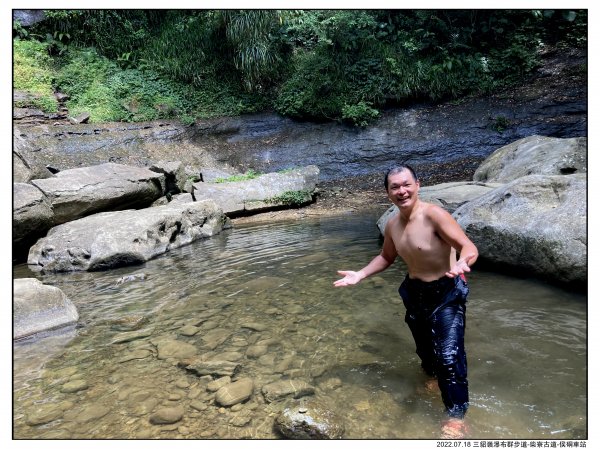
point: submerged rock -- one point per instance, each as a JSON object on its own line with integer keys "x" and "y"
{"x": 38, "y": 307}
{"x": 167, "y": 415}
{"x": 283, "y": 388}
{"x": 309, "y": 420}
{"x": 235, "y": 392}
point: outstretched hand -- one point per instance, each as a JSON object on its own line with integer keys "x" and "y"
{"x": 350, "y": 278}
{"x": 460, "y": 267}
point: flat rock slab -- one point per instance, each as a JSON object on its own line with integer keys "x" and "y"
{"x": 113, "y": 239}
{"x": 38, "y": 307}
{"x": 258, "y": 194}
{"x": 83, "y": 191}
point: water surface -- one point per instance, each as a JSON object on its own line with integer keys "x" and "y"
{"x": 525, "y": 341}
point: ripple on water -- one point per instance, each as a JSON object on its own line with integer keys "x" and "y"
{"x": 260, "y": 297}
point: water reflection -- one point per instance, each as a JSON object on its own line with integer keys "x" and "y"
{"x": 262, "y": 296}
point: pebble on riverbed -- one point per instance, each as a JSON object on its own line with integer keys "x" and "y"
{"x": 167, "y": 415}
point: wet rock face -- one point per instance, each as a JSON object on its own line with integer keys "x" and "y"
{"x": 309, "y": 420}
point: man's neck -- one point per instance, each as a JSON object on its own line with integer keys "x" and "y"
{"x": 406, "y": 213}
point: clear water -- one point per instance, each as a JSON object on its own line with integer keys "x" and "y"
{"x": 526, "y": 344}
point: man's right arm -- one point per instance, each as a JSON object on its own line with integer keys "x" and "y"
{"x": 379, "y": 263}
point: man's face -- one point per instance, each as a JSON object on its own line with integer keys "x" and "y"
{"x": 403, "y": 189}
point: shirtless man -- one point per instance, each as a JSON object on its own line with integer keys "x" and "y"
{"x": 434, "y": 291}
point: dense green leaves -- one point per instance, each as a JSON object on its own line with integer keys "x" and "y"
{"x": 322, "y": 65}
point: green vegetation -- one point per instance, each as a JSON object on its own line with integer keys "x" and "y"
{"x": 292, "y": 198}
{"x": 501, "y": 123}
{"x": 33, "y": 73}
{"x": 344, "y": 65}
{"x": 250, "y": 174}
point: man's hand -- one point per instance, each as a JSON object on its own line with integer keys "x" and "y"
{"x": 350, "y": 278}
{"x": 460, "y": 267}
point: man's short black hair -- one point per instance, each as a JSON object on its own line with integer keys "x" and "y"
{"x": 397, "y": 169}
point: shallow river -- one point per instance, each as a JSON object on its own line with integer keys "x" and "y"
{"x": 272, "y": 284}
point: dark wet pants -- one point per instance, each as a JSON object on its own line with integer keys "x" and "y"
{"x": 435, "y": 314}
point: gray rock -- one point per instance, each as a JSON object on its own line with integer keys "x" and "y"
{"x": 74, "y": 386}
{"x": 284, "y": 388}
{"x": 167, "y": 415}
{"x": 309, "y": 420}
{"x": 212, "y": 368}
{"x": 215, "y": 337}
{"x": 78, "y": 192}
{"x": 534, "y": 155}
{"x": 175, "y": 176}
{"x": 175, "y": 349}
{"x": 26, "y": 168}
{"x": 189, "y": 330}
{"x": 235, "y": 392}
{"x": 113, "y": 239}
{"x": 259, "y": 327}
{"x": 38, "y": 307}
{"x": 131, "y": 336}
{"x": 237, "y": 197}
{"x": 131, "y": 278}
{"x": 43, "y": 414}
{"x": 182, "y": 198}
{"x": 535, "y": 223}
{"x": 449, "y": 196}
{"x": 256, "y": 351}
{"x": 229, "y": 356}
{"x": 32, "y": 217}
{"x": 91, "y": 413}
{"x": 216, "y": 385}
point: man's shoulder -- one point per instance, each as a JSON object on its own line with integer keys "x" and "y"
{"x": 433, "y": 211}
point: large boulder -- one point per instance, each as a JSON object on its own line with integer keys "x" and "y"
{"x": 449, "y": 196}
{"x": 113, "y": 239}
{"x": 534, "y": 155}
{"x": 38, "y": 307}
{"x": 32, "y": 217}
{"x": 264, "y": 192}
{"x": 536, "y": 224}
{"x": 26, "y": 167}
{"x": 78, "y": 192}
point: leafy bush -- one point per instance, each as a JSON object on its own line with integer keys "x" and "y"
{"x": 360, "y": 114}
{"x": 32, "y": 73}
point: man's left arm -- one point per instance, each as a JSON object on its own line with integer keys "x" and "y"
{"x": 451, "y": 232}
